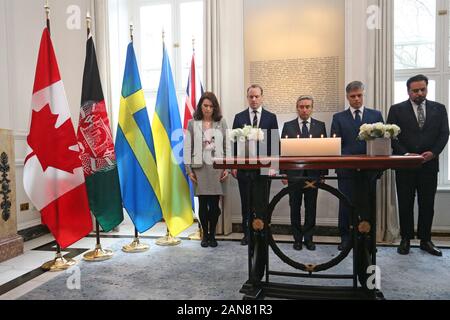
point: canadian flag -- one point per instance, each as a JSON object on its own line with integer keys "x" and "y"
{"x": 53, "y": 176}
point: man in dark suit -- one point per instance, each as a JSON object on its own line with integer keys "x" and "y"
{"x": 304, "y": 127}
{"x": 424, "y": 131}
{"x": 346, "y": 125}
{"x": 255, "y": 115}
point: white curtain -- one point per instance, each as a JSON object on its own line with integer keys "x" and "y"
{"x": 381, "y": 96}
{"x": 212, "y": 46}
{"x": 224, "y": 74}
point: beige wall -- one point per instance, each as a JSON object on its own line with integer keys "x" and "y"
{"x": 292, "y": 29}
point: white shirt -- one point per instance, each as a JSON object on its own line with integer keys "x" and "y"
{"x": 415, "y": 106}
{"x": 258, "y": 114}
{"x": 352, "y": 110}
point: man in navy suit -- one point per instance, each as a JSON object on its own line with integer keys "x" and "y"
{"x": 346, "y": 125}
{"x": 255, "y": 115}
{"x": 424, "y": 131}
{"x": 304, "y": 127}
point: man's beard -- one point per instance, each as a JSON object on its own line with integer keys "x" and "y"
{"x": 419, "y": 100}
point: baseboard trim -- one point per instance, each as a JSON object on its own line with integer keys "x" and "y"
{"x": 33, "y": 232}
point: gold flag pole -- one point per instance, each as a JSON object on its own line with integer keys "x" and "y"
{"x": 168, "y": 239}
{"x": 59, "y": 263}
{"x": 197, "y": 235}
{"x": 135, "y": 246}
{"x": 47, "y": 14}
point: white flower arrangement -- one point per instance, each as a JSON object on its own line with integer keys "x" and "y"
{"x": 247, "y": 133}
{"x": 378, "y": 130}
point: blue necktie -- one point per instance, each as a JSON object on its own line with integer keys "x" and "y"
{"x": 305, "y": 132}
{"x": 358, "y": 120}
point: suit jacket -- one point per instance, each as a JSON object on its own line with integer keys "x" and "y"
{"x": 292, "y": 130}
{"x": 268, "y": 123}
{"x": 432, "y": 137}
{"x": 193, "y": 143}
{"x": 344, "y": 127}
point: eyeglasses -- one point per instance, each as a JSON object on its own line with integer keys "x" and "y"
{"x": 304, "y": 107}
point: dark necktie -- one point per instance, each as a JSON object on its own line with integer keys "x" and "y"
{"x": 420, "y": 116}
{"x": 305, "y": 132}
{"x": 255, "y": 119}
{"x": 358, "y": 120}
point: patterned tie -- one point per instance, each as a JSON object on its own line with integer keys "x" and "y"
{"x": 358, "y": 120}
{"x": 420, "y": 116}
{"x": 255, "y": 119}
{"x": 305, "y": 133}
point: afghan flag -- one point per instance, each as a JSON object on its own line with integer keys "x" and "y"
{"x": 53, "y": 176}
{"x": 97, "y": 148}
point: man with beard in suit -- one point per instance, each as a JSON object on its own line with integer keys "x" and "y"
{"x": 424, "y": 131}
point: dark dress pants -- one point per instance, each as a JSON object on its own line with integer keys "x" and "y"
{"x": 295, "y": 201}
{"x": 245, "y": 180}
{"x": 410, "y": 182}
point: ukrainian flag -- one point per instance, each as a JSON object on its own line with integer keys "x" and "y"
{"x": 135, "y": 151}
{"x": 168, "y": 133}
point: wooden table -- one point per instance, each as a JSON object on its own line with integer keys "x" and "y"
{"x": 366, "y": 170}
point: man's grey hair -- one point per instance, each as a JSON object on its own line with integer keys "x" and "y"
{"x": 305, "y": 97}
{"x": 355, "y": 85}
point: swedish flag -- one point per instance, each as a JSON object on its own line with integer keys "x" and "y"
{"x": 135, "y": 152}
{"x": 168, "y": 133}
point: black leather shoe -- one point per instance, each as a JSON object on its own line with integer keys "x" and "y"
{"x": 212, "y": 243}
{"x": 204, "y": 243}
{"x": 297, "y": 246}
{"x": 244, "y": 241}
{"x": 404, "y": 246}
{"x": 429, "y": 247}
{"x": 310, "y": 245}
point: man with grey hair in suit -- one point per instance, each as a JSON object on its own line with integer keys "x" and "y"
{"x": 345, "y": 125}
{"x": 304, "y": 126}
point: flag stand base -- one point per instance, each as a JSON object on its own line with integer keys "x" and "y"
{"x": 196, "y": 235}
{"x": 58, "y": 264}
{"x": 135, "y": 246}
{"x": 168, "y": 240}
{"x": 98, "y": 254}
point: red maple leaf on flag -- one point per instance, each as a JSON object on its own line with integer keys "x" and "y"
{"x": 50, "y": 144}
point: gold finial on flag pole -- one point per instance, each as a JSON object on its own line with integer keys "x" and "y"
{"x": 131, "y": 31}
{"x": 47, "y": 14}
{"x": 88, "y": 23}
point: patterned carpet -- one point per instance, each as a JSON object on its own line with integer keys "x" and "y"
{"x": 189, "y": 272}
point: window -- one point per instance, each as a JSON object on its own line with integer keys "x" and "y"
{"x": 421, "y": 45}
{"x": 183, "y": 25}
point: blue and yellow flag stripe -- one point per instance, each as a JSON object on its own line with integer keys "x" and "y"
{"x": 176, "y": 200}
{"x": 135, "y": 151}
